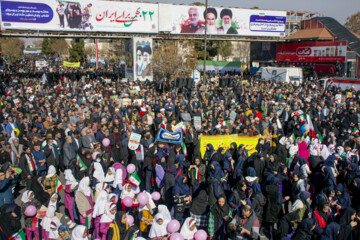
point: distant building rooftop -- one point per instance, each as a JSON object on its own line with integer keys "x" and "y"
{"x": 314, "y": 34}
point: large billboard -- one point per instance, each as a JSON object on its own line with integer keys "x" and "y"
{"x": 138, "y": 17}
{"x": 311, "y": 52}
{"x": 222, "y": 21}
{"x": 143, "y": 52}
{"x": 80, "y": 15}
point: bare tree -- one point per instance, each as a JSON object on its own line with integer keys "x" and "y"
{"x": 13, "y": 48}
{"x": 353, "y": 23}
{"x": 37, "y": 43}
{"x": 59, "y": 46}
{"x": 90, "y": 50}
{"x": 173, "y": 59}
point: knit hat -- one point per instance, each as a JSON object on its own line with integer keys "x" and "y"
{"x": 63, "y": 228}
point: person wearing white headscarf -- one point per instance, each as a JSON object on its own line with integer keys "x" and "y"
{"x": 98, "y": 175}
{"x": 69, "y": 195}
{"x": 49, "y": 217}
{"x": 28, "y": 199}
{"x": 165, "y": 212}
{"x": 27, "y": 196}
{"x": 79, "y": 233}
{"x": 158, "y": 228}
{"x": 99, "y": 207}
{"x": 84, "y": 202}
{"x": 147, "y": 214}
{"x": 112, "y": 198}
{"x": 54, "y": 233}
{"x": 110, "y": 176}
{"x": 106, "y": 219}
{"x": 118, "y": 182}
{"x": 50, "y": 179}
{"x": 151, "y": 203}
{"x": 127, "y": 192}
{"x": 188, "y": 229}
{"x": 99, "y": 188}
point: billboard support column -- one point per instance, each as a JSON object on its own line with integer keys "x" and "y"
{"x": 206, "y": 6}
{"x": 97, "y": 53}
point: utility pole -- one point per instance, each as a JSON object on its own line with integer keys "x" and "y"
{"x": 206, "y": 6}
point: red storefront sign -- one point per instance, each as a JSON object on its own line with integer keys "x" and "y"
{"x": 311, "y": 52}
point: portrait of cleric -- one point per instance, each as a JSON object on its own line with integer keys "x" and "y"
{"x": 193, "y": 25}
{"x": 226, "y": 22}
{"x": 143, "y": 59}
{"x": 210, "y": 17}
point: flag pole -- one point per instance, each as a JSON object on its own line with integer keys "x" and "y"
{"x": 205, "y": 43}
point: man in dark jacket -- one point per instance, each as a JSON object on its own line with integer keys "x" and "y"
{"x": 28, "y": 166}
{"x": 40, "y": 159}
{"x": 69, "y": 151}
{"x": 52, "y": 153}
{"x": 246, "y": 225}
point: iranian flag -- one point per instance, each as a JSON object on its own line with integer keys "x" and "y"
{"x": 87, "y": 223}
{"x": 320, "y": 137}
{"x": 126, "y": 117}
{"x": 134, "y": 179}
{"x": 20, "y": 235}
{"x": 163, "y": 123}
{"x": 82, "y": 164}
{"x": 197, "y": 173}
{"x": 356, "y": 131}
{"x": 222, "y": 124}
{"x": 224, "y": 178}
{"x": 292, "y": 139}
{"x": 311, "y": 126}
{"x": 135, "y": 201}
{"x": 184, "y": 149}
{"x": 302, "y": 119}
{"x": 182, "y": 127}
{"x": 59, "y": 186}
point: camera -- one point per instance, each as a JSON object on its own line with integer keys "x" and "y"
{"x": 238, "y": 226}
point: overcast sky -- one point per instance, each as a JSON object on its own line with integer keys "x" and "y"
{"x": 338, "y": 9}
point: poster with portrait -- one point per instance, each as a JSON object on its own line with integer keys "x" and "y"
{"x": 224, "y": 21}
{"x": 143, "y": 51}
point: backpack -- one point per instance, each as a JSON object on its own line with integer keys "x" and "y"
{"x": 160, "y": 176}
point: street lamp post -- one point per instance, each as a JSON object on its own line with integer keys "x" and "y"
{"x": 206, "y": 6}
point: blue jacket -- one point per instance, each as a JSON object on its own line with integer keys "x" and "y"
{"x": 40, "y": 155}
{"x": 6, "y": 196}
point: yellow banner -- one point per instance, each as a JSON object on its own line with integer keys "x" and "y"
{"x": 70, "y": 64}
{"x": 225, "y": 141}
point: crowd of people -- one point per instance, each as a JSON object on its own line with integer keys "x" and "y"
{"x": 301, "y": 182}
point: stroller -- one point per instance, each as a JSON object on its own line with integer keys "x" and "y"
{"x": 85, "y": 20}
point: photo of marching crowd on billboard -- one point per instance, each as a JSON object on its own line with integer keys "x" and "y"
{"x": 76, "y": 16}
